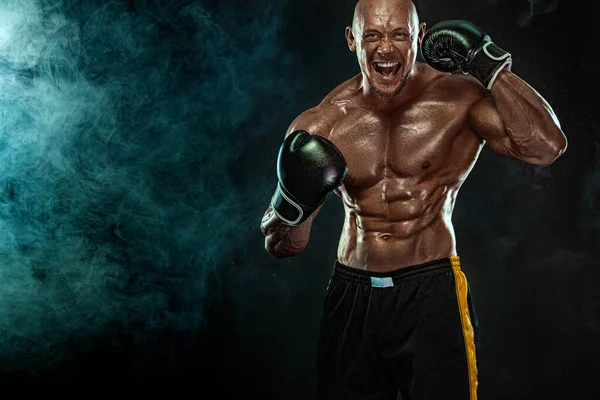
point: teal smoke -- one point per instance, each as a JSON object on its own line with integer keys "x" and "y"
{"x": 117, "y": 128}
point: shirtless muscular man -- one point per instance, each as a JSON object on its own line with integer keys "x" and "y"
{"x": 395, "y": 143}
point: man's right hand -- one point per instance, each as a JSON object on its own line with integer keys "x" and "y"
{"x": 308, "y": 168}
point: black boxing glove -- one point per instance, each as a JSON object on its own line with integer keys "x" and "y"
{"x": 308, "y": 168}
{"x": 460, "y": 45}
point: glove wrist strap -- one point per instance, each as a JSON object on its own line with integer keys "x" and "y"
{"x": 289, "y": 210}
{"x": 487, "y": 61}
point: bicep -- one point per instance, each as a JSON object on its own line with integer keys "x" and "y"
{"x": 484, "y": 119}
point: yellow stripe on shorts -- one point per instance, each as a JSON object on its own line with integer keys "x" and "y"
{"x": 462, "y": 290}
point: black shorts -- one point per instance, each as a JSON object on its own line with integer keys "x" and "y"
{"x": 408, "y": 334}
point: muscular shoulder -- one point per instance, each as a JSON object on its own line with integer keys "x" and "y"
{"x": 321, "y": 119}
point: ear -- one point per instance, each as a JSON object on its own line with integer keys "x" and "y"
{"x": 422, "y": 28}
{"x": 350, "y": 39}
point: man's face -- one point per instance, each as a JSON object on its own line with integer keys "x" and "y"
{"x": 385, "y": 36}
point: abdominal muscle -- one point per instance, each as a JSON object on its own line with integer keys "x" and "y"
{"x": 383, "y": 235}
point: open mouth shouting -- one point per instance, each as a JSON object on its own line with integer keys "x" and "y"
{"x": 386, "y": 69}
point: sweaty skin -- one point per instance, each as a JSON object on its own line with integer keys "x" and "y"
{"x": 411, "y": 135}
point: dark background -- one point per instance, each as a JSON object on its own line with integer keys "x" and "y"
{"x": 138, "y": 142}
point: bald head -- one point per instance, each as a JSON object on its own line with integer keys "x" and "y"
{"x": 385, "y": 35}
{"x": 383, "y": 9}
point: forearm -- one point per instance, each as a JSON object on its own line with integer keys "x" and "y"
{"x": 530, "y": 124}
{"x": 282, "y": 240}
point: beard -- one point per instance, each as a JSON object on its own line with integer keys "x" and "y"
{"x": 387, "y": 95}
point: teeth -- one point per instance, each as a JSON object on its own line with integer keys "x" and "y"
{"x": 386, "y": 64}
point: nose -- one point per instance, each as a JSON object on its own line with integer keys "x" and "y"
{"x": 385, "y": 47}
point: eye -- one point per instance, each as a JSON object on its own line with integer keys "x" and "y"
{"x": 371, "y": 36}
{"x": 401, "y": 34}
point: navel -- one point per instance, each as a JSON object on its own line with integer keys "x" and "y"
{"x": 426, "y": 165}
